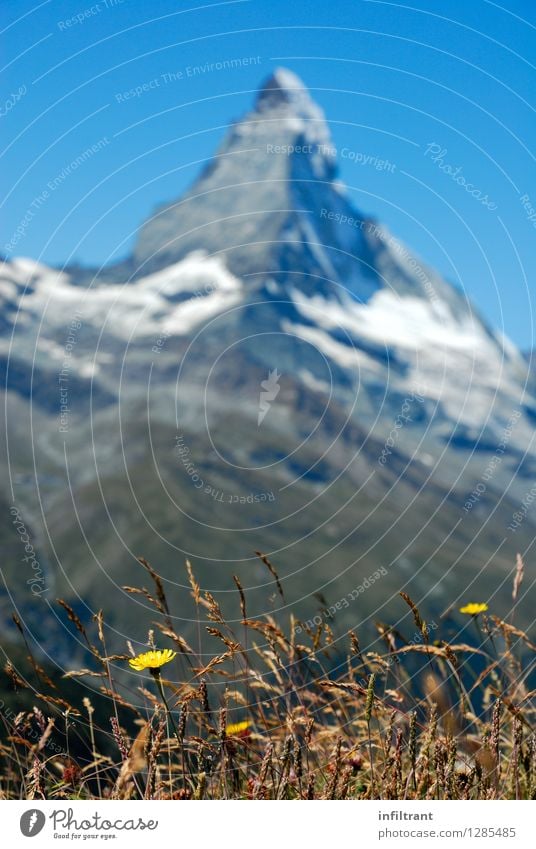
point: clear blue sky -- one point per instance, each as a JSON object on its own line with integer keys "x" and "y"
{"x": 391, "y": 78}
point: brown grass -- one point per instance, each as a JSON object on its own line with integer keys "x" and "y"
{"x": 422, "y": 719}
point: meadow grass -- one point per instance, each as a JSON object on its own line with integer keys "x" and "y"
{"x": 279, "y": 713}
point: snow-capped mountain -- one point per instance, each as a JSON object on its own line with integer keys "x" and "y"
{"x": 267, "y": 241}
{"x": 385, "y": 371}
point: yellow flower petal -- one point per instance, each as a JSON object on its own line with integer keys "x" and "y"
{"x": 237, "y": 728}
{"x": 474, "y": 608}
{"x": 153, "y": 659}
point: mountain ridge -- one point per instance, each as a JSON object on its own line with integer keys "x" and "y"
{"x": 262, "y": 265}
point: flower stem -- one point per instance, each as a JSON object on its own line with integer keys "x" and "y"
{"x": 158, "y": 680}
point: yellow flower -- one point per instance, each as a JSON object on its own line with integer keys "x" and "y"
{"x": 238, "y": 729}
{"x": 152, "y": 660}
{"x": 473, "y": 609}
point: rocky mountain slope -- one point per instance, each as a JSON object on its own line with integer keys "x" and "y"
{"x": 269, "y": 369}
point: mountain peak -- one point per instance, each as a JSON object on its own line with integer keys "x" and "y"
{"x": 284, "y": 94}
{"x": 284, "y": 103}
{"x": 284, "y": 88}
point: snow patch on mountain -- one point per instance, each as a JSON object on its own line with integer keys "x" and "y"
{"x": 345, "y": 356}
{"x": 399, "y": 322}
{"x": 172, "y": 301}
